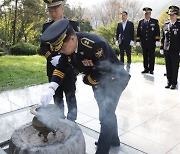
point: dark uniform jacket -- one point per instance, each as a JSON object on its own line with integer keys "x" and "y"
{"x": 148, "y": 33}
{"x": 171, "y": 36}
{"x": 46, "y": 49}
{"x": 94, "y": 50}
{"x": 127, "y": 35}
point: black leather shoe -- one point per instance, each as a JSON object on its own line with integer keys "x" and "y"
{"x": 114, "y": 144}
{"x": 145, "y": 71}
{"x": 168, "y": 85}
{"x": 151, "y": 72}
{"x": 173, "y": 86}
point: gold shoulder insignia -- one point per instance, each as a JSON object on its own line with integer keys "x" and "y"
{"x": 87, "y": 42}
{"x": 99, "y": 53}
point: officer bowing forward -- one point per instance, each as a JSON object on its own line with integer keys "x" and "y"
{"x": 170, "y": 46}
{"x": 95, "y": 58}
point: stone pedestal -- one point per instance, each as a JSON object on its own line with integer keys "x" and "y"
{"x": 68, "y": 140}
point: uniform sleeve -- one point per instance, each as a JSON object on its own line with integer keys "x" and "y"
{"x": 132, "y": 32}
{"x": 61, "y": 69}
{"x": 45, "y": 48}
{"x": 162, "y": 40}
{"x": 157, "y": 31}
{"x": 99, "y": 51}
{"x": 138, "y": 32}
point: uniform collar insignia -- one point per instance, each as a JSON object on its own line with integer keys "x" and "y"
{"x": 99, "y": 53}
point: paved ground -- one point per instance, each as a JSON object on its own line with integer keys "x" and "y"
{"x": 148, "y": 114}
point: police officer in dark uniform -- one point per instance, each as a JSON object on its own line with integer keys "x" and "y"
{"x": 170, "y": 46}
{"x": 56, "y": 9}
{"x": 148, "y": 36}
{"x": 95, "y": 58}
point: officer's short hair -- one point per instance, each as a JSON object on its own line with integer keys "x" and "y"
{"x": 124, "y": 12}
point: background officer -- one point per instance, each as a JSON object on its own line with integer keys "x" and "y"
{"x": 170, "y": 46}
{"x": 125, "y": 37}
{"x": 148, "y": 36}
{"x": 56, "y": 9}
{"x": 95, "y": 58}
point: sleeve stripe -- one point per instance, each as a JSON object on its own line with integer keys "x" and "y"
{"x": 58, "y": 73}
{"x": 93, "y": 82}
{"x": 47, "y": 54}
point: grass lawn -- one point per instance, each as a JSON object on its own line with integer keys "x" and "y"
{"x": 20, "y": 71}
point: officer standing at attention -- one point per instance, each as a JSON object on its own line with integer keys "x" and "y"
{"x": 125, "y": 38}
{"x": 56, "y": 9}
{"x": 148, "y": 36}
{"x": 94, "y": 57}
{"x": 170, "y": 46}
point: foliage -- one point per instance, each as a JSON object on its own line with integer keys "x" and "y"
{"x": 2, "y": 50}
{"x": 107, "y": 32}
{"x": 23, "y": 49}
{"x": 21, "y": 71}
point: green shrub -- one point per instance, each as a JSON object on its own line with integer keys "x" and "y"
{"x": 23, "y": 49}
{"x": 39, "y": 52}
{"x": 2, "y": 50}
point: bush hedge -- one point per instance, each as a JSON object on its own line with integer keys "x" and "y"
{"x": 23, "y": 49}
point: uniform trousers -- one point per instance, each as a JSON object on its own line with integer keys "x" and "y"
{"x": 107, "y": 95}
{"x": 148, "y": 58}
{"x": 172, "y": 66}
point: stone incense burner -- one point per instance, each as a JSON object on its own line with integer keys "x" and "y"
{"x": 48, "y": 133}
{"x": 42, "y": 128}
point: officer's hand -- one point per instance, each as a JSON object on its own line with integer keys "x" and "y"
{"x": 162, "y": 52}
{"x": 117, "y": 43}
{"x": 131, "y": 43}
{"x": 138, "y": 44}
{"x": 47, "y": 96}
{"x": 158, "y": 43}
{"x": 55, "y": 60}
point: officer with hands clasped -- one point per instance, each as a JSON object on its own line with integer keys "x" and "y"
{"x": 148, "y": 36}
{"x": 93, "y": 56}
{"x": 170, "y": 46}
{"x": 56, "y": 9}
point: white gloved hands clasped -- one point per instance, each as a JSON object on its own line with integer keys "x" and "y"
{"x": 158, "y": 43}
{"x": 162, "y": 52}
{"x": 55, "y": 60}
{"x": 117, "y": 43}
{"x": 131, "y": 43}
{"x": 138, "y": 44}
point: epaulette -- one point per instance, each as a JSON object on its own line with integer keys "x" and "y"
{"x": 178, "y": 19}
{"x": 87, "y": 42}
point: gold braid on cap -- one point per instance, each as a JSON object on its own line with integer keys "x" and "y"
{"x": 57, "y": 45}
{"x": 51, "y": 4}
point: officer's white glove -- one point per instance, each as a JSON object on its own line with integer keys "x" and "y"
{"x": 158, "y": 43}
{"x": 117, "y": 43}
{"x": 162, "y": 52}
{"x": 138, "y": 44}
{"x": 179, "y": 53}
{"x": 48, "y": 94}
{"x": 131, "y": 43}
{"x": 55, "y": 60}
